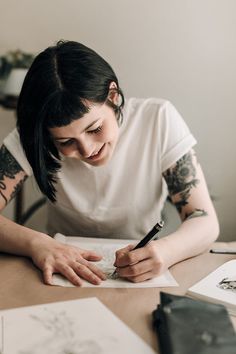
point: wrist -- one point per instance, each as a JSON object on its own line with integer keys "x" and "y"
{"x": 36, "y": 241}
{"x": 166, "y": 250}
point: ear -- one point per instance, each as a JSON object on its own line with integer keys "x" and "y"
{"x": 113, "y": 94}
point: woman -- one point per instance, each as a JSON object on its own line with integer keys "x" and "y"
{"x": 106, "y": 166}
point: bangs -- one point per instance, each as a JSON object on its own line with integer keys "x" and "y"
{"x": 63, "y": 108}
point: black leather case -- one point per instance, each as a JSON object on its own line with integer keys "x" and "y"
{"x": 187, "y": 326}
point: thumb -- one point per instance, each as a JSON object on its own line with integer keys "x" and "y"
{"x": 122, "y": 252}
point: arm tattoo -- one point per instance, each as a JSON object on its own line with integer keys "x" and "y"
{"x": 180, "y": 179}
{"x": 5, "y": 199}
{"x": 9, "y": 167}
{"x": 17, "y": 188}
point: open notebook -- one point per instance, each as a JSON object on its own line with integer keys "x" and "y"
{"x": 82, "y": 326}
{"x": 209, "y": 288}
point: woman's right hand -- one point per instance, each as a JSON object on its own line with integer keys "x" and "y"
{"x": 72, "y": 262}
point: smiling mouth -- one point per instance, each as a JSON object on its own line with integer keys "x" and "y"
{"x": 96, "y": 155}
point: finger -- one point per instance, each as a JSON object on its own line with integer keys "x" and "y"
{"x": 93, "y": 268}
{"x": 91, "y": 255}
{"x": 70, "y": 274}
{"x": 125, "y": 249}
{"x": 97, "y": 271}
{"x": 132, "y": 257}
{"x": 47, "y": 275}
{"x": 135, "y": 269}
{"x": 141, "y": 277}
{"x": 121, "y": 253}
{"x": 87, "y": 274}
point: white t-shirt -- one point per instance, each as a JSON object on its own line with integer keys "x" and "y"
{"x": 125, "y": 197}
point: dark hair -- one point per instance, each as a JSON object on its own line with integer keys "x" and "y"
{"x": 54, "y": 93}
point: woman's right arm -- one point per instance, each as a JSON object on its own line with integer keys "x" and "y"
{"x": 47, "y": 254}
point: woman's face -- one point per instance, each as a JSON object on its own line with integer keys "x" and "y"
{"x": 91, "y": 138}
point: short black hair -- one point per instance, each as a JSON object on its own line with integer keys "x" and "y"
{"x": 55, "y": 92}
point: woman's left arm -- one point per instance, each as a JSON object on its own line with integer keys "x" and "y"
{"x": 188, "y": 192}
{"x": 199, "y": 228}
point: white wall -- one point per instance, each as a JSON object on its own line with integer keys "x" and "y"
{"x": 183, "y": 50}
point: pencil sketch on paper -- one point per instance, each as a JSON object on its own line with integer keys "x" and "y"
{"x": 83, "y": 326}
{"x": 228, "y": 284}
{"x": 108, "y": 253}
{"x": 108, "y": 248}
{"x": 61, "y": 336}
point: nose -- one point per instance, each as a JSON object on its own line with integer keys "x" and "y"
{"x": 85, "y": 147}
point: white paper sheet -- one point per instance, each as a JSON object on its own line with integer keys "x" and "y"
{"x": 107, "y": 248}
{"x": 208, "y": 288}
{"x": 82, "y": 326}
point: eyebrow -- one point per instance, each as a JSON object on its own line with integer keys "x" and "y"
{"x": 89, "y": 126}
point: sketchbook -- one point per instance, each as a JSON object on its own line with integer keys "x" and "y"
{"x": 107, "y": 248}
{"x": 210, "y": 288}
{"x": 82, "y": 326}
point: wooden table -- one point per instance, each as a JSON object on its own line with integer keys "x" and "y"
{"x": 21, "y": 285}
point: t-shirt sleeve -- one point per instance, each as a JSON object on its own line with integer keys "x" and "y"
{"x": 12, "y": 143}
{"x": 176, "y": 138}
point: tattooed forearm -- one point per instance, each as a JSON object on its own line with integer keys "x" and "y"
{"x": 180, "y": 179}
{"x": 5, "y": 199}
{"x": 195, "y": 214}
{"x": 9, "y": 168}
{"x": 3, "y": 187}
{"x": 17, "y": 187}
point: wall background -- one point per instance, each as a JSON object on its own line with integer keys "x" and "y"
{"x": 183, "y": 50}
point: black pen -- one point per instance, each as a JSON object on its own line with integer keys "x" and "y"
{"x": 149, "y": 237}
{"x": 222, "y": 251}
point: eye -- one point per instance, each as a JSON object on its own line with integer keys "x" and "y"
{"x": 67, "y": 142}
{"x": 95, "y": 131}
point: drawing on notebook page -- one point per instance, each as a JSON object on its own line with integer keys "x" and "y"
{"x": 60, "y": 336}
{"x": 107, "y": 248}
{"x": 228, "y": 284}
{"x": 219, "y": 286}
{"x": 108, "y": 253}
{"x": 82, "y": 326}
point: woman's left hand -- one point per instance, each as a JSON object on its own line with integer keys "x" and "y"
{"x": 143, "y": 263}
